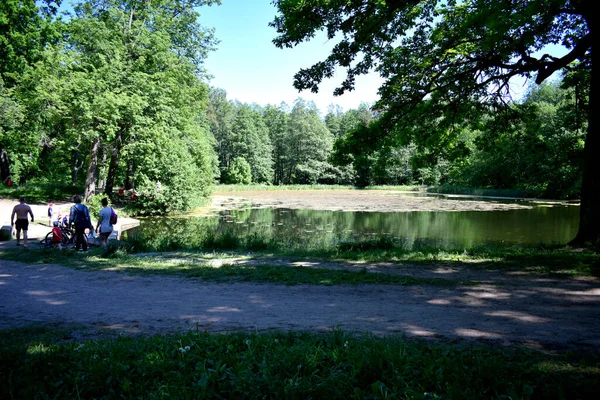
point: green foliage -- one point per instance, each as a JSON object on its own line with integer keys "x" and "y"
{"x": 239, "y": 172}
{"x": 94, "y": 204}
{"x": 536, "y": 148}
{"x": 39, "y": 191}
{"x": 38, "y": 362}
{"x": 308, "y": 145}
{"x": 120, "y": 99}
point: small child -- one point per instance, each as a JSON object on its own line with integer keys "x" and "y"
{"x": 50, "y": 213}
{"x": 57, "y": 235}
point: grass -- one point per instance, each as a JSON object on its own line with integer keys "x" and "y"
{"x": 40, "y": 362}
{"x": 200, "y": 265}
{"x": 281, "y": 266}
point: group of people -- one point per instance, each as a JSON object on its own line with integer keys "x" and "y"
{"x": 79, "y": 219}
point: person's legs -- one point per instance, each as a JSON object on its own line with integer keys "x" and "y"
{"x": 21, "y": 225}
{"x": 104, "y": 240}
{"x": 24, "y": 237}
{"x": 80, "y": 239}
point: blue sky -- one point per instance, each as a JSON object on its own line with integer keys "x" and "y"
{"x": 249, "y": 67}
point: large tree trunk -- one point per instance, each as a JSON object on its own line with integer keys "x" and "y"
{"x": 100, "y": 179}
{"x": 114, "y": 163}
{"x": 589, "y": 214}
{"x": 90, "y": 180}
{"x": 76, "y": 165}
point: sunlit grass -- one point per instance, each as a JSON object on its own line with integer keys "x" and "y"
{"x": 280, "y": 265}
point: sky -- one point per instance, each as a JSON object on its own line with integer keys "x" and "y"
{"x": 249, "y": 67}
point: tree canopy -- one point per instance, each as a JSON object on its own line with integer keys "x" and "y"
{"x": 445, "y": 61}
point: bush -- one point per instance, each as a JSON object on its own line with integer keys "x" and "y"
{"x": 239, "y": 172}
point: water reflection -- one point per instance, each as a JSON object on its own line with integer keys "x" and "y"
{"x": 540, "y": 224}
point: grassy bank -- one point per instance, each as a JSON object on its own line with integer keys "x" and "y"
{"x": 43, "y": 363}
{"x": 280, "y": 266}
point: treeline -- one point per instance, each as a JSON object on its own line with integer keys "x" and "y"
{"x": 115, "y": 93}
{"x": 535, "y": 146}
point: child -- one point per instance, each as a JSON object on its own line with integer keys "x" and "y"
{"x": 57, "y": 235}
{"x": 50, "y": 213}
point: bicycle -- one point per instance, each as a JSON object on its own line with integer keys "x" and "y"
{"x": 68, "y": 238}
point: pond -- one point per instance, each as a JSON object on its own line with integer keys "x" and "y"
{"x": 531, "y": 223}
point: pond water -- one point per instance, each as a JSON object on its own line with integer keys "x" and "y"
{"x": 464, "y": 229}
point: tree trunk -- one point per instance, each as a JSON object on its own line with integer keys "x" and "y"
{"x": 76, "y": 165}
{"x": 4, "y": 165}
{"x": 100, "y": 182}
{"x": 128, "y": 177}
{"x": 114, "y": 163}
{"x": 92, "y": 171}
{"x": 589, "y": 213}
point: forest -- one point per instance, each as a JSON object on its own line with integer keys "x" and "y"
{"x": 117, "y": 94}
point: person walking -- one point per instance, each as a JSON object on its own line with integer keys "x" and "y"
{"x": 104, "y": 227}
{"x": 21, "y": 211}
{"x": 79, "y": 217}
{"x": 50, "y": 213}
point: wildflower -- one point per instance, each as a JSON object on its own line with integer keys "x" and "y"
{"x": 248, "y": 342}
{"x": 187, "y": 348}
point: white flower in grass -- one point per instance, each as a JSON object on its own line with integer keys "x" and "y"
{"x": 248, "y": 342}
{"x": 187, "y": 348}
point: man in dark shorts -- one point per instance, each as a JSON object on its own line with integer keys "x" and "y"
{"x": 21, "y": 210}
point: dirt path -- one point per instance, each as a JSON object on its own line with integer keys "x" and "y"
{"x": 508, "y": 307}
{"x": 535, "y": 311}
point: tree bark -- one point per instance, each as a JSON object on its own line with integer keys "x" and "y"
{"x": 4, "y": 165}
{"x": 114, "y": 163}
{"x": 100, "y": 182}
{"x": 589, "y": 213}
{"x": 129, "y": 177}
{"x": 92, "y": 171}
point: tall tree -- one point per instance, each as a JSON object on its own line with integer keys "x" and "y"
{"x": 220, "y": 114}
{"x": 309, "y": 144}
{"x": 276, "y": 119}
{"x": 250, "y": 141}
{"x": 26, "y": 28}
{"x": 459, "y": 55}
{"x": 124, "y": 93}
